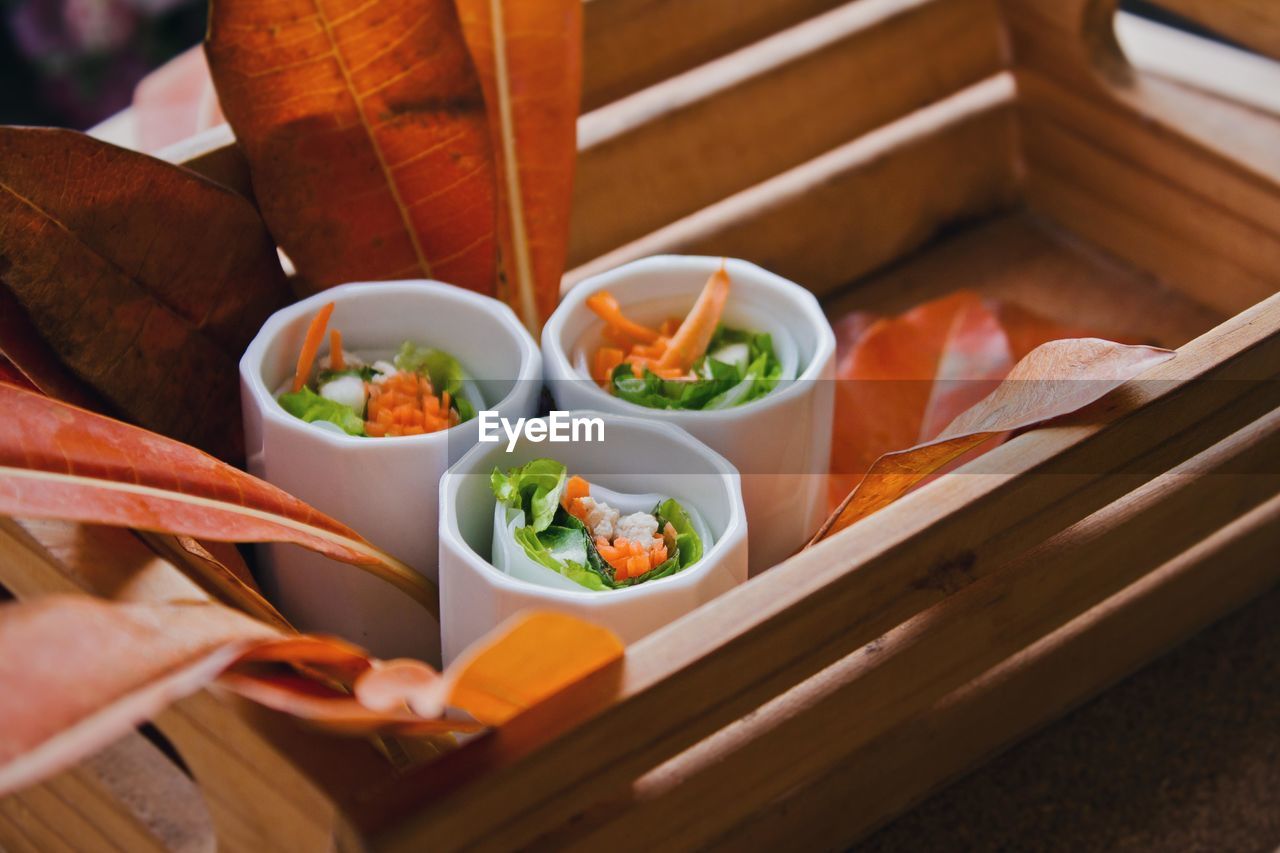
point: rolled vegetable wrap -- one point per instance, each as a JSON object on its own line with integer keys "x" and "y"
{"x": 563, "y": 532}
{"x": 694, "y": 364}
{"x": 417, "y": 391}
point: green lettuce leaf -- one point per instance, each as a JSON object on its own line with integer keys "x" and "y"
{"x": 555, "y": 547}
{"x": 555, "y": 539}
{"x": 688, "y": 542}
{"x": 721, "y": 384}
{"x": 534, "y": 488}
{"x": 594, "y": 561}
{"x": 310, "y": 407}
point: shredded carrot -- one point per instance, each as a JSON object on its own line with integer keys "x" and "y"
{"x": 630, "y": 558}
{"x": 669, "y": 351}
{"x": 336, "y": 360}
{"x": 690, "y": 341}
{"x": 576, "y": 488}
{"x": 310, "y": 346}
{"x": 574, "y": 491}
{"x": 639, "y": 364}
{"x": 405, "y": 404}
{"x": 606, "y": 307}
{"x": 607, "y": 358}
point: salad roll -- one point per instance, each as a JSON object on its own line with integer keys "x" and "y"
{"x": 559, "y": 530}
{"x": 741, "y": 358}
{"x": 630, "y": 531}
{"x": 357, "y": 400}
{"x": 694, "y": 363}
{"x": 414, "y": 390}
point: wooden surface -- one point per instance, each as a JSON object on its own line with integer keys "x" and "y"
{"x": 847, "y": 721}
{"x": 1031, "y": 262}
{"x": 631, "y": 44}
{"x": 1184, "y": 755}
{"x": 129, "y": 797}
{"x": 1215, "y": 67}
{"x": 699, "y": 137}
{"x": 950, "y": 162}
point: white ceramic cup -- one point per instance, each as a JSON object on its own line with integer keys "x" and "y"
{"x": 780, "y": 443}
{"x": 386, "y": 489}
{"x": 635, "y": 457}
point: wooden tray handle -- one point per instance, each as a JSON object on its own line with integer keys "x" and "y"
{"x": 1076, "y": 38}
{"x": 1252, "y": 23}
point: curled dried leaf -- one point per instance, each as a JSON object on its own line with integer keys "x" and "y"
{"x": 1055, "y": 379}
{"x": 80, "y": 672}
{"x": 146, "y": 279}
{"x": 529, "y": 60}
{"x": 901, "y": 379}
{"x": 57, "y": 461}
{"x": 364, "y": 126}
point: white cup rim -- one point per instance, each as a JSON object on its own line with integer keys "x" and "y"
{"x": 504, "y": 319}
{"x": 795, "y": 297}
{"x": 735, "y": 529}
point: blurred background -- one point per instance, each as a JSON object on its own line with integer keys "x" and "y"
{"x": 75, "y": 62}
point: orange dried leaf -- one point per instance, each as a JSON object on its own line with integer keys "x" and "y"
{"x": 13, "y": 376}
{"x": 888, "y": 393}
{"x": 364, "y": 126}
{"x": 1027, "y": 330}
{"x": 529, "y": 59}
{"x": 1055, "y": 379}
{"x": 57, "y": 461}
{"x": 397, "y": 684}
{"x": 218, "y": 569}
{"x": 33, "y": 362}
{"x": 334, "y": 710}
{"x": 79, "y": 673}
{"x": 153, "y": 301}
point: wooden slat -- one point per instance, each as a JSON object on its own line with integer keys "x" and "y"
{"x": 715, "y": 664}
{"x": 129, "y": 797}
{"x": 1072, "y": 157}
{"x": 695, "y": 139}
{"x": 1073, "y": 43}
{"x": 631, "y": 44}
{"x": 1028, "y": 261}
{"x": 1248, "y": 193}
{"x": 23, "y": 828}
{"x": 828, "y": 721}
{"x": 1218, "y": 280}
{"x": 849, "y": 211}
{"x": 1071, "y": 40}
{"x": 1211, "y": 66}
{"x": 1014, "y": 698}
{"x": 1194, "y": 245}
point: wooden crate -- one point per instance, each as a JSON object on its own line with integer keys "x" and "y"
{"x": 880, "y": 152}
